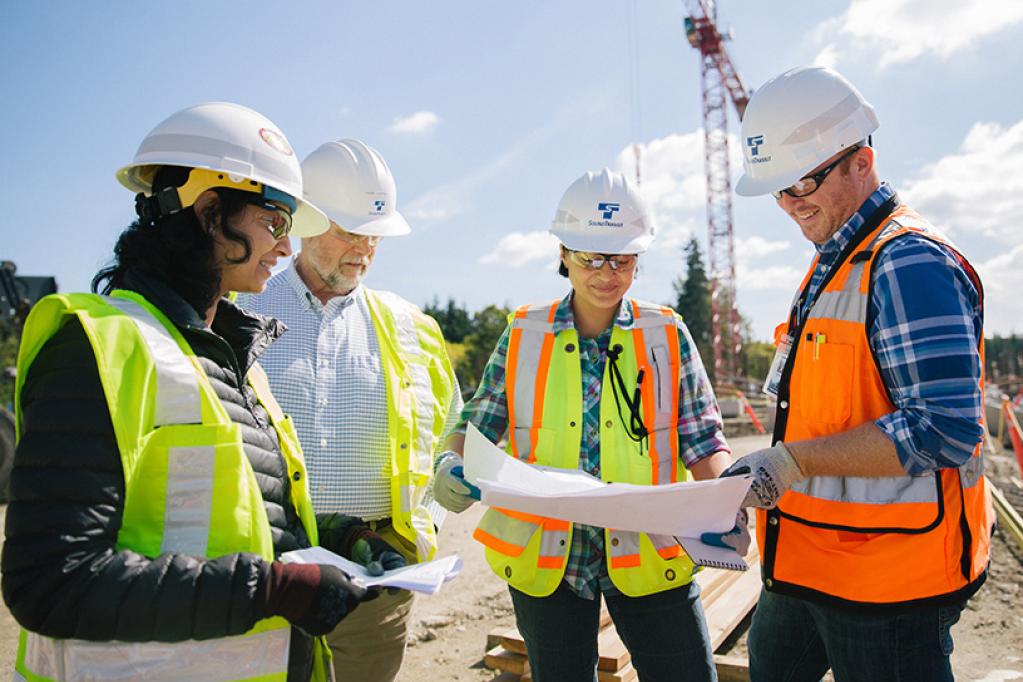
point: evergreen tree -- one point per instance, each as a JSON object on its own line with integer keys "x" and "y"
{"x": 487, "y": 326}
{"x": 692, "y": 301}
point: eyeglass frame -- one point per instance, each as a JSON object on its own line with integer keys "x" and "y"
{"x": 818, "y": 178}
{"x": 370, "y": 240}
{"x": 278, "y": 210}
{"x": 608, "y": 258}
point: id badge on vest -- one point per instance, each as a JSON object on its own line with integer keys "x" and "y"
{"x": 781, "y": 356}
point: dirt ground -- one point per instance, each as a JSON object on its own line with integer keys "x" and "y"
{"x": 449, "y": 635}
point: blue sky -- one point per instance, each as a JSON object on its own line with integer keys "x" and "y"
{"x": 486, "y": 112}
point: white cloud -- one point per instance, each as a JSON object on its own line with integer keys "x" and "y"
{"x": 521, "y": 248}
{"x": 673, "y": 183}
{"x": 1003, "y": 280}
{"x": 419, "y": 123}
{"x": 898, "y": 31}
{"x": 781, "y": 277}
{"x": 978, "y": 189}
{"x": 757, "y": 247}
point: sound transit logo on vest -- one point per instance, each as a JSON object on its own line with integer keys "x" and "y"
{"x": 607, "y": 211}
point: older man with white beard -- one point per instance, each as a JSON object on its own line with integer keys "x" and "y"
{"x": 366, "y": 377}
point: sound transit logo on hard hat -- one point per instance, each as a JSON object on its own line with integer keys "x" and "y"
{"x": 607, "y": 211}
{"x": 378, "y": 206}
{"x": 754, "y": 142}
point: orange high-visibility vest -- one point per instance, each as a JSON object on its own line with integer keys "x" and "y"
{"x": 545, "y": 411}
{"x": 867, "y": 540}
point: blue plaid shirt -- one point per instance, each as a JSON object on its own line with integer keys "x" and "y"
{"x": 699, "y": 426}
{"x": 927, "y": 322}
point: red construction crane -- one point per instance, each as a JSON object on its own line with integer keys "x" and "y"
{"x": 721, "y": 84}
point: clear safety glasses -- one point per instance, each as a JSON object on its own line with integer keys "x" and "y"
{"x": 619, "y": 262}
{"x": 811, "y": 183}
{"x": 368, "y": 240}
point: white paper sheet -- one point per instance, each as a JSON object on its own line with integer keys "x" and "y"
{"x": 679, "y": 509}
{"x": 427, "y": 577}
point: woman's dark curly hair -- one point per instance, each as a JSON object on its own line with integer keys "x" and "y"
{"x": 178, "y": 249}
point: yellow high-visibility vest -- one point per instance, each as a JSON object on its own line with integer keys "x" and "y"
{"x": 189, "y": 488}
{"x": 545, "y": 417}
{"x": 420, "y": 383}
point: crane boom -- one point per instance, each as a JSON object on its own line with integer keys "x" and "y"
{"x": 721, "y": 84}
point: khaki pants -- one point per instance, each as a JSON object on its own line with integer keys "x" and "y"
{"x": 369, "y": 645}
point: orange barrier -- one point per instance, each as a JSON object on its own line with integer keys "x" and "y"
{"x": 749, "y": 410}
{"x": 1015, "y": 432}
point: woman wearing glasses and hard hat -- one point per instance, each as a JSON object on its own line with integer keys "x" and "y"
{"x": 155, "y": 480}
{"x": 615, "y": 387}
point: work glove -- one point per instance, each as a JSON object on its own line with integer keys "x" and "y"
{"x": 373, "y": 552}
{"x": 450, "y": 488}
{"x": 773, "y": 470}
{"x": 351, "y": 538}
{"x": 738, "y": 538}
{"x": 312, "y": 597}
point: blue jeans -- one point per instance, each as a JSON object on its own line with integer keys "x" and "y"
{"x": 793, "y": 640}
{"x": 665, "y": 633}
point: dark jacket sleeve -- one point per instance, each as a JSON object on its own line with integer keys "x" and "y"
{"x": 63, "y": 575}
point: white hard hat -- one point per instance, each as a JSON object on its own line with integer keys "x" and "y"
{"x": 231, "y": 139}
{"x": 795, "y": 122}
{"x": 353, "y": 184}
{"x": 603, "y": 213}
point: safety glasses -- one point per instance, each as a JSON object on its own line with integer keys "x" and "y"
{"x": 370, "y": 240}
{"x": 811, "y": 183}
{"x": 274, "y": 216}
{"x": 595, "y": 261}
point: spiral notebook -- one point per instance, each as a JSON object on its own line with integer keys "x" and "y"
{"x": 712, "y": 556}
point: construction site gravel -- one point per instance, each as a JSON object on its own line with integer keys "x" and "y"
{"x": 449, "y": 636}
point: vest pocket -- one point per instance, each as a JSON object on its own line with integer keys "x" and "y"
{"x": 826, "y": 371}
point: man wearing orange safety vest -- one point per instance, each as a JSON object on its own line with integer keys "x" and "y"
{"x": 874, "y": 521}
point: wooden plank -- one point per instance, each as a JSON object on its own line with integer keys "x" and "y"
{"x": 1008, "y": 518}
{"x": 507, "y": 661}
{"x": 612, "y": 655}
{"x": 731, "y": 668}
{"x": 728, "y": 610}
{"x": 626, "y": 674}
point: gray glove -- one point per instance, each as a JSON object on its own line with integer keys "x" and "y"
{"x": 774, "y": 471}
{"x": 450, "y": 489}
{"x": 738, "y": 538}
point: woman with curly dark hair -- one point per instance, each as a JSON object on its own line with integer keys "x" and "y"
{"x": 156, "y": 481}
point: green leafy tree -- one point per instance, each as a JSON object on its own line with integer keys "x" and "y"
{"x": 487, "y": 326}
{"x": 692, "y": 301}
{"x": 454, "y": 320}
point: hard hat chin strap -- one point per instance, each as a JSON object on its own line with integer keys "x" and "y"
{"x": 163, "y": 203}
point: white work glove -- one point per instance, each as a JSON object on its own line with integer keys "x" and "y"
{"x": 774, "y": 471}
{"x": 738, "y": 538}
{"x": 450, "y": 488}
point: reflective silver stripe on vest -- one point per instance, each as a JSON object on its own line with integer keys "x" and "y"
{"x": 189, "y": 493}
{"x": 514, "y": 531}
{"x": 186, "y": 521}
{"x": 888, "y": 490}
{"x": 177, "y": 386}
{"x": 622, "y": 543}
{"x": 534, "y": 328}
{"x": 227, "y": 658}
{"x": 417, "y": 379}
{"x": 554, "y": 543}
{"x": 658, "y": 355}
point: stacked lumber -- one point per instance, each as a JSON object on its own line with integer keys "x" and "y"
{"x": 727, "y": 596}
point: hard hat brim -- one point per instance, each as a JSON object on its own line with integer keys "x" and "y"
{"x": 392, "y": 225}
{"x": 309, "y": 221}
{"x": 750, "y": 187}
{"x": 605, "y": 243}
